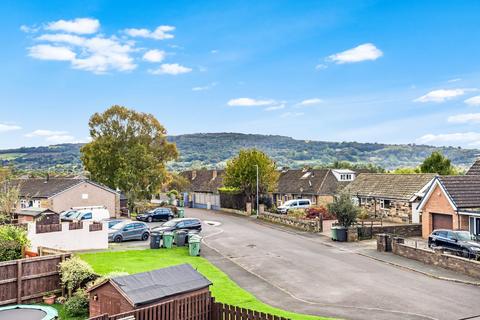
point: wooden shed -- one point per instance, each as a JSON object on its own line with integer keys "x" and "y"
{"x": 40, "y": 215}
{"x": 127, "y": 293}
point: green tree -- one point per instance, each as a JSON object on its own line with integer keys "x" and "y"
{"x": 344, "y": 209}
{"x": 405, "y": 170}
{"x": 437, "y": 163}
{"x": 241, "y": 173}
{"x": 128, "y": 151}
{"x": 9, "y": 195}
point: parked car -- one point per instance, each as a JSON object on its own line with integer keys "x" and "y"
{"x": 112, "y": 222}
{"x": 128, "y": 230}
{"x": 157, "y": 214}
{"x": 459, "y": 242}
{"x": 179, "y": 224}
{"x": 95, "y": 213}
{"x": 294, "y": 204}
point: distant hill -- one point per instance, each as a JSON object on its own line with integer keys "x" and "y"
{"x": 213, "y": 149}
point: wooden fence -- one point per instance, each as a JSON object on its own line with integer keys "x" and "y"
{"x": 28, "y": 280}
{"x": 43, "y": 228}
{"x": 198, "y": 307}
{"x": 95, "y": 226}
{"x": 74, "y": 225}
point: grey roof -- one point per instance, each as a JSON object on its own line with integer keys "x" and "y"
{"x": 147, "y": 287}
{"x": 463, "y": 190}
{"x": 389, "y": 186}
{"x": 308, "y": 181}
{"x": 46, "y": 188}
{"x": 35, "y": 212}
{"x": 204, "y": 180}
{"x": 474, "y": 169}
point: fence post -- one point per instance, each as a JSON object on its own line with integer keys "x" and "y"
{"x": 19, "y": 281}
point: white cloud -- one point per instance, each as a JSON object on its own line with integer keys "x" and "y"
{"x": 249, "y": 102}
{"x": 63, "y": 138}
{"x": 473, "y": 101}
{"x": 310, "y": 102}
{"x": 78, "y": 25}
{"x": 48, "y": 52}
{"x": 160, "y": 33}
{"x": 214, "y": 51}
{"x": 465, "y": 118}
{"x": 321, "y": 66}
{"x": 441, "y": 95}
{"x": 96, "y": 54}
{"x": 154, "y": 55}
{"x": 276, "y": 107}
{"x": 291, "y": 114}
{"x": 8, "y": 127}
{"x": 44, "y": 133}
{"x": 454, "y": 80}
{"x": 363, "y": 52}
{"x": 171, "y": 68}
{"x": 28, "y": 29}
{"x": 203, "y": 88}
{"x": 469, "y": 138}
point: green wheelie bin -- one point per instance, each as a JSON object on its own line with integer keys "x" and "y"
{"x": 181, "y": 212}
{"x": 167, "y": 240}
{"x": 194, "y": 245}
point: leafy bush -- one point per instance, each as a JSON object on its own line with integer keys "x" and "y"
{"x": 75, "y": 272}
{"x": 265, "y": 200}
{"x": 320, "y": 211}
{"x": 173, "y": 194}
{"x": 12, "y": 240}
{"x": 77, "y": 305}
{"x": 110, "y": 275}
{"x": 363, "y": 214}
{"x": 297, "y": 213}
{"x": 344, "y": 209}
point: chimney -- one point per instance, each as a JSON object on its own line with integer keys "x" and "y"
{"x": 194, "y": 174}
{"x": 214, "y": 174}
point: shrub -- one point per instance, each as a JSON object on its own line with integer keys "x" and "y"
{"x": 320, "y": 211}
{"x": 344, "y": 209}
{"x": 363, "y": 214}
{"x": 12, "y": 241}
{"x": 77, "y": 305}
{"x": 297, "y": 213}
{"x": 75, "y": 272}
{"x": 110, "y": 275}
{"x": 173, "y": 194}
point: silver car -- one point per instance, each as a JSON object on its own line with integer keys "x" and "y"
{"x": 128, "y": 230}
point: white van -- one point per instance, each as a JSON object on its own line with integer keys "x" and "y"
{"x": 95, "y": 213}
{"x": 294, "y": 204}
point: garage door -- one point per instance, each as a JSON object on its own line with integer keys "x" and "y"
{"x": 442, "y": 221}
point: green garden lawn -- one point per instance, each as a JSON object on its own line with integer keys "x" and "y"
{"x": 223, "y": 288}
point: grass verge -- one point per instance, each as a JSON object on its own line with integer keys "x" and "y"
{"x": 223, "y": 289}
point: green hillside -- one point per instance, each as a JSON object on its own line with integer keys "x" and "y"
{"x": 213, "y": 149}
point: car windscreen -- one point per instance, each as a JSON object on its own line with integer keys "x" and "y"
{"x": 464, "y": 236}
{"x": 170, "y": 223}
{"x": 70, "y": 214}
{"x": 289, "y": 203}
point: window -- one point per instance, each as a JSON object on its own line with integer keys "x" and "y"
{"x": 451, "y": 235}
{"x": 363, "y": 200}
{"x": 442, "y": 234}
{"x": 384, "y": 204}
{"x": 303, "y": 203}
{"x": 138, "y": 226}
{"x": 84, "y": 196}
{"x": 128, "y": 227}
{"x": 86, "y": 216}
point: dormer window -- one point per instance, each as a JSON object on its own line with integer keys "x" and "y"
{"x": 346, "y": 177}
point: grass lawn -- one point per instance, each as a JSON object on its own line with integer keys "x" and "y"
{"x": 223, "y": 288}
{"x": 62, "y": 313}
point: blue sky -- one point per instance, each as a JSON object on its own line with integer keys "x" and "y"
{"x": 376, "y": 71}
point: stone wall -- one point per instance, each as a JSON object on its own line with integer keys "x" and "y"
{"x": 397, "y": 211}
{"x": 305, "y": 225}
{"x": 447, "y": 261}
{"x": 404, "y": 230}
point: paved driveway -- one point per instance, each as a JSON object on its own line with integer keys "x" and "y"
{"x": 300, "y": 272}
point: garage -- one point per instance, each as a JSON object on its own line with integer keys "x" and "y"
{"x": 442, "y": 221}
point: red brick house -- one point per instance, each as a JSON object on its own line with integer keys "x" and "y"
{"x": 452, "y": 202}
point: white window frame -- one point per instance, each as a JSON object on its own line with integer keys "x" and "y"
{"x": 382, "y": 203}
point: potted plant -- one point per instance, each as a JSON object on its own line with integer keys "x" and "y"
{"x": 49, "y": 298}
{"x": 346, "y": 213}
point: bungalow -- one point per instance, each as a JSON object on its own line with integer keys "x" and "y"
{"x": 126, "y": 293}
{"x": 318, "y": 185}
{"x": 202, "y": 191}
{"x": 452, "y": 202}
{"x": 394, "y": 197}
{"x": 60, "y": 194}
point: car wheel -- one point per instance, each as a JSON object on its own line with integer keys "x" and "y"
{"x": 118, "y": 239}
{"x": 150, "y": 219}
{"x": 145, "y": 236}
{"x": 465, "y": 253}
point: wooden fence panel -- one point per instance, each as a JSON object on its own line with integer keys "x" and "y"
{"x": 48, "y": 228}
{"x": 28, "y": 280}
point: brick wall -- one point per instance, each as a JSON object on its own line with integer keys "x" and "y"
{"x": 437, "y": 203}
{"x": 447, "y": 261}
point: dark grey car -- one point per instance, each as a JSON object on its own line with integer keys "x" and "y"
{"x": 128, "y": 230}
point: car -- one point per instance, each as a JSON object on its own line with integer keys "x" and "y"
{"x": 112, "y": 222}
{"x": 95, "y": 213}
{"x": 128, "y": 230}
{"x": 456, "y": 241}
{"x": 180, "y": 224}
{"x": 157, "y": 214}
{"x": 294, "y": 204}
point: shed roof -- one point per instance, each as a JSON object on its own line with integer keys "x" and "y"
{"x": 308, "y": 181}
{"x": 390, "y": 186}
{"x": 47, "y": 188}
{"x": 35, "y": 212}
{"x": 463, "y": 190}
{"x": 147, "y": 287}
{"x": 204, "y": 180}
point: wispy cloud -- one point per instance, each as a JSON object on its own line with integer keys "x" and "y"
{"x": 291, "y": 114}
{"x": 9, "y": 127}
{"x": 276, "y": 107}
{"x": 249, "y": 102}
{"x": 321, "y": 66}
{"x": 441, "y": 95}
{"x": 467, "y": 138}
{"x": 171, "y": 68}
{"x": 44, "y": 133}
{"x": 160, "y": 33}
{"x": 154, "y": 55}
{"x": 309, "y": 102}
{"x": 204, "y": 88}
{"x": 78, "y": 25}
{"x": 363, "y": 52}
{"x": 465, "y": 118}
{"x": 454, "y": 80}
{"x": 473, "y": 101}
